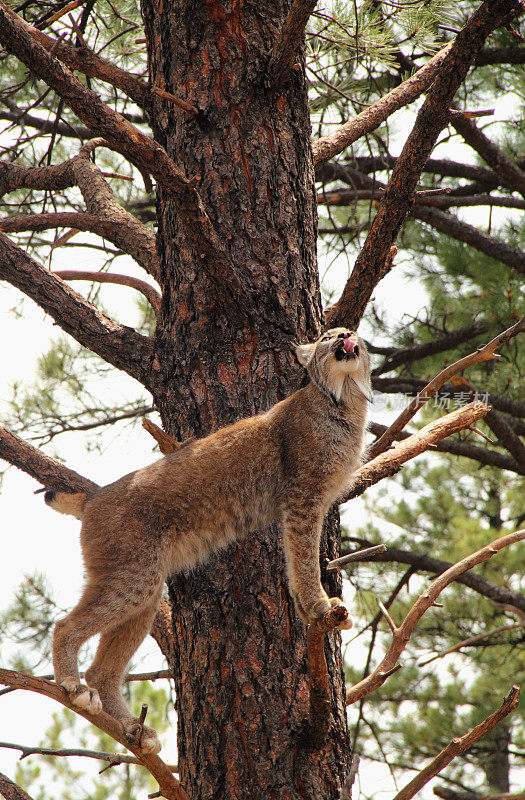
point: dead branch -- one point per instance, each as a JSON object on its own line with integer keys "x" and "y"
{"x": 388, "y": 463}
{"x": 113, "y": 758}
{"x": 482, "y": 455}
{"x": 402, "y": 634}
{"x": 289, "y": 41}
{"x": 423, "y": 563}
{"x": 46, "y": 470}
{"x": 320, "y": 705}
{"x": 398, "y": 197}
{"x": 459, "y": 745}
{"x": 509, "y": 173}
{"x": 177, "y": 101}
{"x": 358, "y": 555}
{"x": 447, "y": 223}
{"x": 139, "y": 149}
{"x": 152, "y": 296}
{"x": 367, "y": 121}
{"x": 405, "y": 355}
{"x": 169, "y": 785}
{"x": 472, "y": 640}
{"x": 485, "y": 353}
{"x": 119, "y": 345}
{"x": 166, "y": 443}
{"x": 10, "y": 791}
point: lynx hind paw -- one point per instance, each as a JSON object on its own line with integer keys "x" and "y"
{"x": 142, "y": 736}
{"x": 82, "y": 696}
{"x": 345, "y": 624}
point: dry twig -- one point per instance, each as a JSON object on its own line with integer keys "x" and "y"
{"x": 401, "y": 634}
{"x": 169, "y": 785}
{"x": 458, "y": 745}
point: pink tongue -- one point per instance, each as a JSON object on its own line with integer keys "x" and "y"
{"x": 348, "y": 345}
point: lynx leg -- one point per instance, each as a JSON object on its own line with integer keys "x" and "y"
{"x": 99, "y": 608}
{"x": 302, "y": 535}
{"x": 107, "y": 672}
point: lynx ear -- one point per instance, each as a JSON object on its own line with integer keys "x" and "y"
{"x": 304, "y": 353}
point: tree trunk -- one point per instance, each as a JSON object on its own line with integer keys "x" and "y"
{"x": 240, "y": 672}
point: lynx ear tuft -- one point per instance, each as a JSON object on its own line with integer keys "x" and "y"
{"x": 304, "y": 353}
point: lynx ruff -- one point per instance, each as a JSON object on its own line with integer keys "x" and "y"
{"x": 289, "y": 464}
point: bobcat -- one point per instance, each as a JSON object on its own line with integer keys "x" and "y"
{"x": 288, "y": 464}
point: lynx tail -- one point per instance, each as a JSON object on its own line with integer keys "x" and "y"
{"x": 66, "y": 502}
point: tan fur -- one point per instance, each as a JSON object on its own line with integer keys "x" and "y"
{"x": 289, "y": 464}
{"x": 67, "y": 503}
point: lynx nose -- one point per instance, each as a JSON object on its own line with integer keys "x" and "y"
{"x": 349, "y": 344}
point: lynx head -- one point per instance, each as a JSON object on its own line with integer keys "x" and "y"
{"x": 337, "y": 361}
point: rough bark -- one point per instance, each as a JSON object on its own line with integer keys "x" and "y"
{"x": 240, "y": 654}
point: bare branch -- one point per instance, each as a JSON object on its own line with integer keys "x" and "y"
{"x": 509, "y": 173}
{"x": 113, "y": 758}
{"x": 169, "y": 785}
{"x": 398, "y": 197}
{"x": 119, "y": 345}
{"x": 388, "y": 463}
{"x": 166, "y": 443}
{"x": 485, "y": 353}
{"x": 492, "y": 458}
{"x": 358, "y": 555}
{"x": 463, "y": 232}
{"x": 46, "y": 470}
{"x": 320, "y": 705}
{"x": 423, "y": 563}
{"x": 152, "y": 296}
{"x": 367, "y": 121}
{"x": 289, "y": 41}
{"x": 472, "y": 640}
{"x": 403, "y": 633}
{"x": 459, "y": 745}
{"x": 10, "y": 791}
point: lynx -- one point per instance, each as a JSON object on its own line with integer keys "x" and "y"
{"x": 288, "y": 464}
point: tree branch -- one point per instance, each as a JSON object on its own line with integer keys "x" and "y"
{"x": 424, "y": 563}
{"x": 371, "y": 118}
{"x": 119, "y": 345}
{"x": 398, "y": 197}
{"x": 479, "y": 637}
{"x": 46, "y": 470}
{"x": 482, "y": 455}
{"x": 169, "y": 785}
{"x": 388, "y": 463}
{"x": 463, "y": 232}
{"x": 152, "y": 296}
{"x": 320, "y": 704}
{"x": 485, "y": 353}
{"x": 459, "y": 745}
{"x": 509, "y": 174}
{"x": 402, "y": 634}
{"x": 10, "y": 791}
{"x": 113, "y": 758}
{"x": 86, "y": 61}
{"x": 141, "y": 150}
{"x": 288, "y": 42}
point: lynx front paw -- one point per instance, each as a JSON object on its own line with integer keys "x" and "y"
{"x": 320, "y": 609}
{"x": 82, "y": 696}
{"x": 141, "y": 735}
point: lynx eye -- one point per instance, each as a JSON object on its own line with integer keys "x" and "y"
{"x": 326, "y": 338}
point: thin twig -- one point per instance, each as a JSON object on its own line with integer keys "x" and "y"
{"x": 458, "y": 745}
{"x": 112, "y": 758}
{"x": 402, "y": 634}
